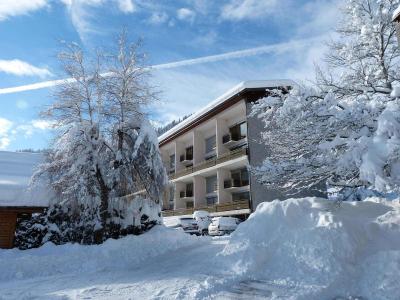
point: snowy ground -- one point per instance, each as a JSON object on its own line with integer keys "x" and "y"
{"x": 181, "y": 271}
{"x": 297, "y": 249}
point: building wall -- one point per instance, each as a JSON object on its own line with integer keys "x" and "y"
{"x": 217, "y": 126}
{"x": 8, "y": 221}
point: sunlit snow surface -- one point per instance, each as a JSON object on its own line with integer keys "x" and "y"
{"x": 306, "y": 248}
{"x": 16, "y": 169}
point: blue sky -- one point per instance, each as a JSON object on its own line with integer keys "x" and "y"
{"x": 172, "y": 31}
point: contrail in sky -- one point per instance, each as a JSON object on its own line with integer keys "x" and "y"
{"x": 274, "y": 48}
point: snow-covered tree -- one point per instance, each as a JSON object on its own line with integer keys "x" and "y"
{"x": 343, "y": 131}
{"x": 105, "y": 148}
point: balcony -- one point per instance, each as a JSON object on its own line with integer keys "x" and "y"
{"x": 232, "y": 141}
{"x": 210, "y": 163}
{"x": 217, "y": 208}
{"x": 186, "y": 194}
{"x": 210, "y": 155}
{"x": 234, "y": 185}
{"x": 186, "y": 160}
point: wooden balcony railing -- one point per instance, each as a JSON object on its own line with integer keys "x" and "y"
{"x": 210, "y": 163}
{"x": 236, "y": 205}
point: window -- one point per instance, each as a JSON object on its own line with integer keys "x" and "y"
{"x": 189, "y": 204}
{"x": 211, "y": 184}
{"x": 238, "y": 131}
{"x": 172, "y": 162}
{"x": 189, "y": 190}
{"x": 211, "y": 200}
{"x": 171, "y": 193}
{"x": 241, "y": 196}
{"x": 189, "y": 153}
{"x": 210, "y": 144}
{"x": 240, "y": 177}
{"x": 171, "y": 206}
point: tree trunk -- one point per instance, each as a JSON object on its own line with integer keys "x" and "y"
{"x": 104, "y": 195}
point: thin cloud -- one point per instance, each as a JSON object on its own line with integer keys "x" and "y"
{"x": 22, "y": 104}
{"x": 82, "y": 13}
{"x": 185, "y": 14}
{"x": 126, "y": 6}
{"x": 5, "y": 127}
{"x": 158, "y": 18}
{"x": 248, "y": 9}
{"x": 19, "y": 7}
{"x": 21, "y": 68}
{"x": 275, "y": 48}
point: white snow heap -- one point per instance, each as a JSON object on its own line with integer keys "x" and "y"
{"x": 16, "y": 169}
{"x": 113, "y": 255}
{"x": 320, "y": 250}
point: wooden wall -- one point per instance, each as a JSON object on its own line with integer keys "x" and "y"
{"x": 8, "y": 222}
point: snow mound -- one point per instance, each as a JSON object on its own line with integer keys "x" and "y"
{"x": 321, "y": 250}
{"x": 122, "y": 254}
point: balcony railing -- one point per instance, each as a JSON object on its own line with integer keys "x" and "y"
{"x": 237, "y": 205}
{"x": 235, "y": 183}
{"x": 186, "y": 194}
{"x": 231, "y": 141}
{"x": 211, "y": 162}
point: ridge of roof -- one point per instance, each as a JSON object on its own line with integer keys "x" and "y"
{"x": 250, "y": 84}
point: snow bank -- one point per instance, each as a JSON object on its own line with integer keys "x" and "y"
{"x": 320, "y": 250}
{"x": 122, "y": 254}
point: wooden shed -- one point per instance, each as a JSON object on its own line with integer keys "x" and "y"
{"x": 17, "y": 199}
{"x": 8, "y": 221}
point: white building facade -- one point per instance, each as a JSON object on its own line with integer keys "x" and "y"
{"x": 207, "y": 155}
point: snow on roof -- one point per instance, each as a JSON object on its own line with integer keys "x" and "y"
{"x": 16, "y": 169}
{"x": 396, "y": 13}
{"x": 226, "y": 96}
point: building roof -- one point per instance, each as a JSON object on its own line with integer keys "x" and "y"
{"x": 253, "y": 84}
{"x": 16, "y": 169}
{"x": 396, "y": 14}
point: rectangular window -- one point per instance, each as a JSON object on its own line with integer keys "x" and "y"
{"x": 211, "y": 184}
{"x": 189, "y": 190}
{"x": 171, "y": 205}
{"x": 211, "y": 144}
{"x": 240, "y": 177}
{"x": 243, "y": 196}
{"x": 172, "y": 162}
{"x": 189, "y": 204}
{"x": 211, "y": 200}
{"x": 238, "y": 131}
{"x": 189, "y": 153}
{"x": 171, "y": 193}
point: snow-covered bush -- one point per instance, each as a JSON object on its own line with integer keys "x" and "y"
{"x": 105, "y": 147}
{"x": 344, "y": 131}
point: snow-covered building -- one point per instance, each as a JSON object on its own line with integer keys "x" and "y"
{"x": 16, "y": 197}
{"x": 207, "y": 155}
{"x": 396, "y": 20}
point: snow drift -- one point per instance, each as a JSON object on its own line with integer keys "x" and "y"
{"x": 321, "y": 250}
{"x": 122, "y": 254}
